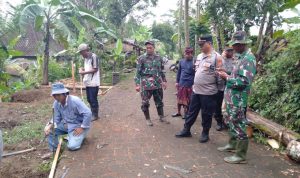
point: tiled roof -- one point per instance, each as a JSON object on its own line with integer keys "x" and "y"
{"x": 32, "y": 43}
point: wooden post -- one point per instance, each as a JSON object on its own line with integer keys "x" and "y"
{"x": 51, "y": 175}
{"x": 73, "y": 76}
{"x": 81, "y": 85}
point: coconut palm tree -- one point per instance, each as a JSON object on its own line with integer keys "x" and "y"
{"x": 186, "y": 23}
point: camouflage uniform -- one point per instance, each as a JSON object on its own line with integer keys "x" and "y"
{"x": 236, "y": 94}
{"x": 150, "y": 75}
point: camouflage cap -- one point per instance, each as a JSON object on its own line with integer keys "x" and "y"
{"x": 239, "y": 37}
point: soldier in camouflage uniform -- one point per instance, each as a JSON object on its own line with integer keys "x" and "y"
{"x": 150, "y": 80}
{"x": 236, "y": 95}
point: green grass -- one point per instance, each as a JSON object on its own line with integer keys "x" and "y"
{"x": 41, "y": 110}
{"x": 45, "y": 166}
{"x": 125, "y": 76}
{"x": 107, "y": 78}
{"x": 259, "y": 137}
{"x": 26, "y": 131}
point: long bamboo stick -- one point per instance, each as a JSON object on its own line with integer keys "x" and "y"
{"x": 18, "y": 152}
{"x": 51, "y": 175}
{"x": 73, "y": 76}
{"x": 81, "y": 83}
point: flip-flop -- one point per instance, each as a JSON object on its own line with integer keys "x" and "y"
{"x": 176, "y": 115}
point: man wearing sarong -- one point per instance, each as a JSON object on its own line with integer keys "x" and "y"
{"x": 184, "y": 82}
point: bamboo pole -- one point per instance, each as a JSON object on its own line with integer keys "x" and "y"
{"x": 103, "y": 93}
{"x": 51, "y": 175}
{"x": 81, "y": 83}
{"x": 18, "y": 152}
{"x": 73, "y": 76}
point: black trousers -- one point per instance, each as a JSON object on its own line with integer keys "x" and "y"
{"x": 207, "y": 104}
{"x": 219, "y": 102}
{"x": 92, "y": 96}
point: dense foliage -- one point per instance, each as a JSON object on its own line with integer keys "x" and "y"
{"x": 276, "y": 93}
{"x": 59, "y": 71}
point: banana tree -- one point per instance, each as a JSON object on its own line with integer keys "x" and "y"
{"x": 50, "y": 16}
{"x": 117, "y": 54}
{"x": 141, "y": 34}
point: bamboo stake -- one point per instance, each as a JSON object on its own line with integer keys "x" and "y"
{"x": 51, "y": 175}
{"x": 73, "y": 76}
{"x": 103, "y": 93}
{"x": 53, "y": 128}
{"x": 18, "y": 152}
{"x": 81, "y": 83}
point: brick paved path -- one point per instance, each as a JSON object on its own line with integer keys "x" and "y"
{"x": 136, "y": 150}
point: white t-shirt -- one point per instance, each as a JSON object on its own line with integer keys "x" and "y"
{"x": 92, "y": 79}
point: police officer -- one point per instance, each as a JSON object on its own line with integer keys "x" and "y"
{"x": 204, "y": 89}
{"x": 150, "y": 80}
{"x": 236, "y": 95}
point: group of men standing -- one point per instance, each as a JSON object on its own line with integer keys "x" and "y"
{"x": 201, "y": 84}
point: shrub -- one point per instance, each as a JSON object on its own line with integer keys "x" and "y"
{"x": 276, "y": 93}
{"x": 59, "y": 71}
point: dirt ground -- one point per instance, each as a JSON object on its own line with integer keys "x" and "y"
{"x": 31, "y": 95}
{"x": 26, "y": 106}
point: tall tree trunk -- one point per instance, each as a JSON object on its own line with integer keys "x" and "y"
{"x": 268, "y": 32}
{"x": 46, "y": 54}
{"x": 260, "y": 38}
{"x": 198, "y": 19}
{"x": 216, "y": 33}
{"x": 219, "y": 40}
{"x": 179, "y": 28}
{"x": 186, "y": 23}
{"x": 261, "y": 29}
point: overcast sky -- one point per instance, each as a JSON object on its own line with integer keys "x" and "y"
{"x": 163, "y": 7}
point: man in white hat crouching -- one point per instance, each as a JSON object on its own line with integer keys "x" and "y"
{"x": 70, "y": 116}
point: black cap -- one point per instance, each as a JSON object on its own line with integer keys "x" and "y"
{"x": 205, "y": 38}
{"x": 228, "y": 48}
{"x": 150, "y": 43}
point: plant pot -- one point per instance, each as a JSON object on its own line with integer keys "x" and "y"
{"x": 115, "y": 77}
{"x": 249, "y": 131}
